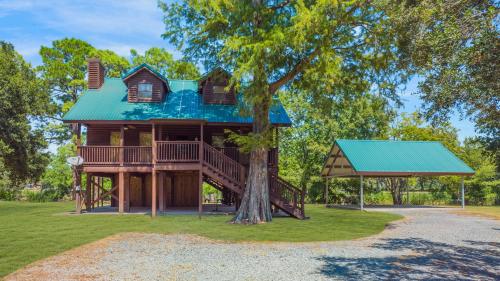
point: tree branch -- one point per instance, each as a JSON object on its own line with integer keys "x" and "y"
{"x": 280, "y": 5}
{"x": 299, "y": 67}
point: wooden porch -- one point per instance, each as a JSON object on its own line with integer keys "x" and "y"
{"x": 159, "y": 166}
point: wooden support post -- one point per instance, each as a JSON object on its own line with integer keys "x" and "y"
{"x": 92, "y": 191}
{"x": 361, "y": 192}
{"x": 326, "y": 192}
{"x": 462, "y": 192}
{"x": 87, "y": 192}
{"x": 127, "y": 191}
{"x": 121, "y": 192}
{"x": 200, "y": 201}
{"x": 154, "y": 188}
{"x": 161, "y": 192}
{"x": 153, "y": 137}
{"x": 122, "y": 142}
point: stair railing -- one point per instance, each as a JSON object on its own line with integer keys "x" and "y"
{"x": 220, "y": 162}
{"x": 285, "y": 191}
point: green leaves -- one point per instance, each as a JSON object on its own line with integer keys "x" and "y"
{"x": 165, "y": 63}
{"x": 23, "y": 98}
{"x": 454, "y": 48}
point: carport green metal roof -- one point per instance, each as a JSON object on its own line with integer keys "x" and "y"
{"x": 109, "y": 103}
{"x": 392, "y": 158}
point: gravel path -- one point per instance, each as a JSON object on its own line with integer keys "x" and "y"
{"x": 430, "y": 244}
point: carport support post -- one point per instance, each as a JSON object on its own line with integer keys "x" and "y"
{"x": 462, "y": 192}
{"x": 361, "y": 192}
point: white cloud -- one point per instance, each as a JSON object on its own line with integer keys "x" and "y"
{"x": 100, "y": 17}
{"x": 115, "y": 25}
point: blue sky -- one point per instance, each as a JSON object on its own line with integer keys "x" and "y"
{"x": 115, "y": 25}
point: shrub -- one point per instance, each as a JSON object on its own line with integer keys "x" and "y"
{"x": 44, "y": 195}
{"x": 8, "y": 194}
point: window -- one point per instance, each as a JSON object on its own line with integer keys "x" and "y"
{"x": 145, "y": 139}
{"x": 219, "y": 89}
{"x": 145, "y": 91}
{"x": 114, "y": 139}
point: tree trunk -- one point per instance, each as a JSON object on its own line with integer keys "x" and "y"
{"x": 255, "y": 206}
{"x": 396, "y": 187}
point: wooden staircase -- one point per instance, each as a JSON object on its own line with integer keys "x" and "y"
{"x": 221, "y": 172}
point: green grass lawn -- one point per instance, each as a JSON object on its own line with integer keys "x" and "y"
{"x": 488, "y": 211}
{"x": 31, "y": 231}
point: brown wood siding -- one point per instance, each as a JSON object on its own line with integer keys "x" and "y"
{"x": 168, "y": 190}
{"x": 186, "y": 189}
{"x": 101, "y": 134}
{"x": 209, "y": 97}
{"x": 144, "y": 76}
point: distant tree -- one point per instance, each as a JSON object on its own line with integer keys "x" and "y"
{"x": 23, "y": 99}
{"x": 164, "y": 62}
{"x": 58, "y": 175}
{"x": 454, "y": 47}
{"x": 320, "y": 120}
{"x": 64, "y": 68}
{"x": 414, "y": 127}
{"x": 269, "y": 45}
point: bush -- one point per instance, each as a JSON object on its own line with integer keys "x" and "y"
{"x": 8, "y": 194}
{"x": 379, "y": 198}
{"x": 44, "y": 195}
{"x": 482, "y": 193}
{"x": 421, "y": 198}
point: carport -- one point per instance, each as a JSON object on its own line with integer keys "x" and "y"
{"x": 389, "y": 158}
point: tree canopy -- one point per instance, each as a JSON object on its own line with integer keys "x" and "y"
{"x": 23, "y": 99}
{"x": 454, "y": 48}
{"x": 164, "y": 62}
{"x": 312, "y": 45}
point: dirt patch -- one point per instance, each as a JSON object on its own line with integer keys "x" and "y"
{"x": 475, "y": 214}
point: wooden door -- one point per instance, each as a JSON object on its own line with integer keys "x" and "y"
{"x": 136, "y": 193}
{"x": 185, "y": 193}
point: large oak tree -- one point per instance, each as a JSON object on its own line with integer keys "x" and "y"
{"x": 268, "y": 45}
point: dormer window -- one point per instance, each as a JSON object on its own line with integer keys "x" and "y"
{"x": 219, "y": 89}
{"x": 145, "y": 91}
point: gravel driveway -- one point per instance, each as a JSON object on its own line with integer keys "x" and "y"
{"x": 431, "y": 244}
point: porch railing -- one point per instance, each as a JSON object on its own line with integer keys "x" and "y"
{"x": 100, "y": 155}
{"x": 137, "y": 155}
{"x": 116, "y": 155}
{"x": 178, "y": 151}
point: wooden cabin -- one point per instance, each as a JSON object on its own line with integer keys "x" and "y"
{"x": 157, "y": 140}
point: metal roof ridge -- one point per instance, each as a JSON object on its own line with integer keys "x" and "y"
{"x": 361, "y": 140}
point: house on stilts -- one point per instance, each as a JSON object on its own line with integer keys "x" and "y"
{"x": 157, "y": 140}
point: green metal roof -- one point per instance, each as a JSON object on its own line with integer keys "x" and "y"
{"x": 387, "y": 157}
{"x": 110, "y": 103}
